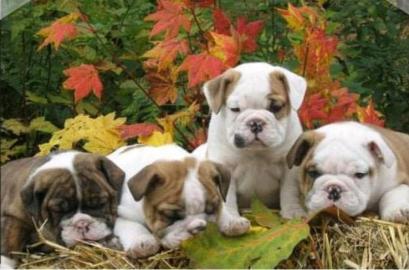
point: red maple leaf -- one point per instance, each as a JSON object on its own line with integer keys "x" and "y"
{"x": 162, "y": 82}
{"x": 369, "y": 115}
{"x": 199, "y": 3}
{"x": 225, "y": 48}
{"x": 248, "y": 33}
{"x": 60, "y": 30}
{"x": 83, "y": 79}
{"x": 166, "y": 51}
{"x": 198, "y": 139}
{"x": 169, "y": 17}
{"x": 201, "y": 67}
{"x": 136, "y": 130}
{"x": 313, "y": 109}
{"x": 221, "y": 22}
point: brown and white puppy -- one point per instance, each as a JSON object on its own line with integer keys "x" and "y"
{"x": 75, "y": 194}
{"x": 253, "y": 125}
{"x": 168, "y": 198}
{"x": 354, "y": 167}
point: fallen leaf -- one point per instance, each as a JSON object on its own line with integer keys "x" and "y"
{"x": 262, "y": 247}
{"x": 83, "y": 79}
{"x": 157, "y": 139}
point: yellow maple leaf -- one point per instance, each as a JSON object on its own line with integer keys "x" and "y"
{"x": 157, "y": 138}
{"x": 100, "y": 134}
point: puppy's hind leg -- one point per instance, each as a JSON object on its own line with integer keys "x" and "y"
{"x": 394, "y": 204}
{"x": 136, "y": 239}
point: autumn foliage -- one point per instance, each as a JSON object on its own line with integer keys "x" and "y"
{"x": 191, "y": 42}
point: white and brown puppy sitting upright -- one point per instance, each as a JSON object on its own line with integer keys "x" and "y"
{"x": 168, "y": 198}
{"x": 253, "y": 125}
{"x": 75, "y": 193}
{"x": 354, "y": 167}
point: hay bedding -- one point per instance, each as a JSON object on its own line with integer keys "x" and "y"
{"x": 366, "y": 243}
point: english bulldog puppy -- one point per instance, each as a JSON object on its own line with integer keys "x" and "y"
{"x": 354, "y": 167}
{"x": 73, "y": 195}
{"x": 253, "y": 125}
{"x": 169, "y": 197}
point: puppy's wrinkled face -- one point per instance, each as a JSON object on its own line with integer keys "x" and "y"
{"x": 79, "y": 201}
{"x": 341, "y": 180}
{"x": 179, "y": 196}
{"x": 256, "y": 103}
{"x": 340, "y": 167}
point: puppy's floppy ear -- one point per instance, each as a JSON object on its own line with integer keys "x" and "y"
{"x": 222, "y": 179}
{"x": 300, "y": 148}
{"x": 144, "y": 181}
{"x": 114, "y": 175}
{"x": 381, "y": 152}
{"x": 33, "y": 194}
{"x": 297, "y": 87}
{"x": 217, "y": 90}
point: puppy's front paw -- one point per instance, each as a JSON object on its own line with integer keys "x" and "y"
{"x": 234, "y": 225}
{"x": 294, "y": 212}
{"x": 146, "y": 245}
{"x": 400, "y": 215}
{"x": 7, "y": 263}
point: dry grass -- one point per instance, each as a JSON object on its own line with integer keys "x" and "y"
{"x": 367, "y": 243}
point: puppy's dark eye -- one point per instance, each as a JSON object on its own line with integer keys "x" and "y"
{"x": 173, "y": 215}
{"x": 360, "y": 175}
{"x": 313, "y": 174}
{"x": 275, "y": 107}
{"x": 236, "y": 110}
{"x": 210, "y": 209}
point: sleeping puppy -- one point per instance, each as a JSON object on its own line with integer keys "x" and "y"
{"x": 75, "y": 194}
{"x": 354, "y": 167}
{"x": 253, "y": 125}
{"x": 169, "y": 197}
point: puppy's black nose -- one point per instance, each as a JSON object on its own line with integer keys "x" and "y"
{"x": 239, "y": 141}
{"x": 334, "y": 193}
{"x": 256, "y": 126}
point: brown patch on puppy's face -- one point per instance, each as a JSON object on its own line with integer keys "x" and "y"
{"x": 279, "y": 101}
{"x": 161, "y": 184}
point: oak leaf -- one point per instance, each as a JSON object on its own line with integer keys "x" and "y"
{"x": 169, "y": 17}
{"x": 83, "y": 79}
{"x": 60, "y": 30}
{"x": 201, "y": 67}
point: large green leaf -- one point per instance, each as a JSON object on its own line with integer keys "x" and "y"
{"x": 263, "y": 247}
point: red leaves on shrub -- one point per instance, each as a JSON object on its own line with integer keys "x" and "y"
{"x": 170, "y": 18}
{"x": 83, "y": 79}
{"x": 225, "y": 48}
{"x": 136, "y": 130}
{"x": 201, "y": 67}
{"x": 166, "y": 51}
{"x": 221, "y": 22}
{"x": 369, "y": 115}
{"x": 60, "y": 30}
{"x": 248, "y": 33}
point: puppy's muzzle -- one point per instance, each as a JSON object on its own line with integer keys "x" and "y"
{"x": 334, "y": 192}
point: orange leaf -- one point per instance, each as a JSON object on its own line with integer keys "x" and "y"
{"x": 198, "y": 3}
{"x": 83, "y": 79}
{"x": 248, "y": 33}
{"x": 136, "y": 130}
{"x": 313, "y": 109}
{"x": 162, "y": 82}
{"x": 166, "y": 51}
{"x": 201, "y": 67}
{"x": 169, "y": 17}
{"x": 225, "y": 48}
{"x": 221, "y": 22}
{"x": 60, "y": 30}
{"x": 369, "y": 115}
